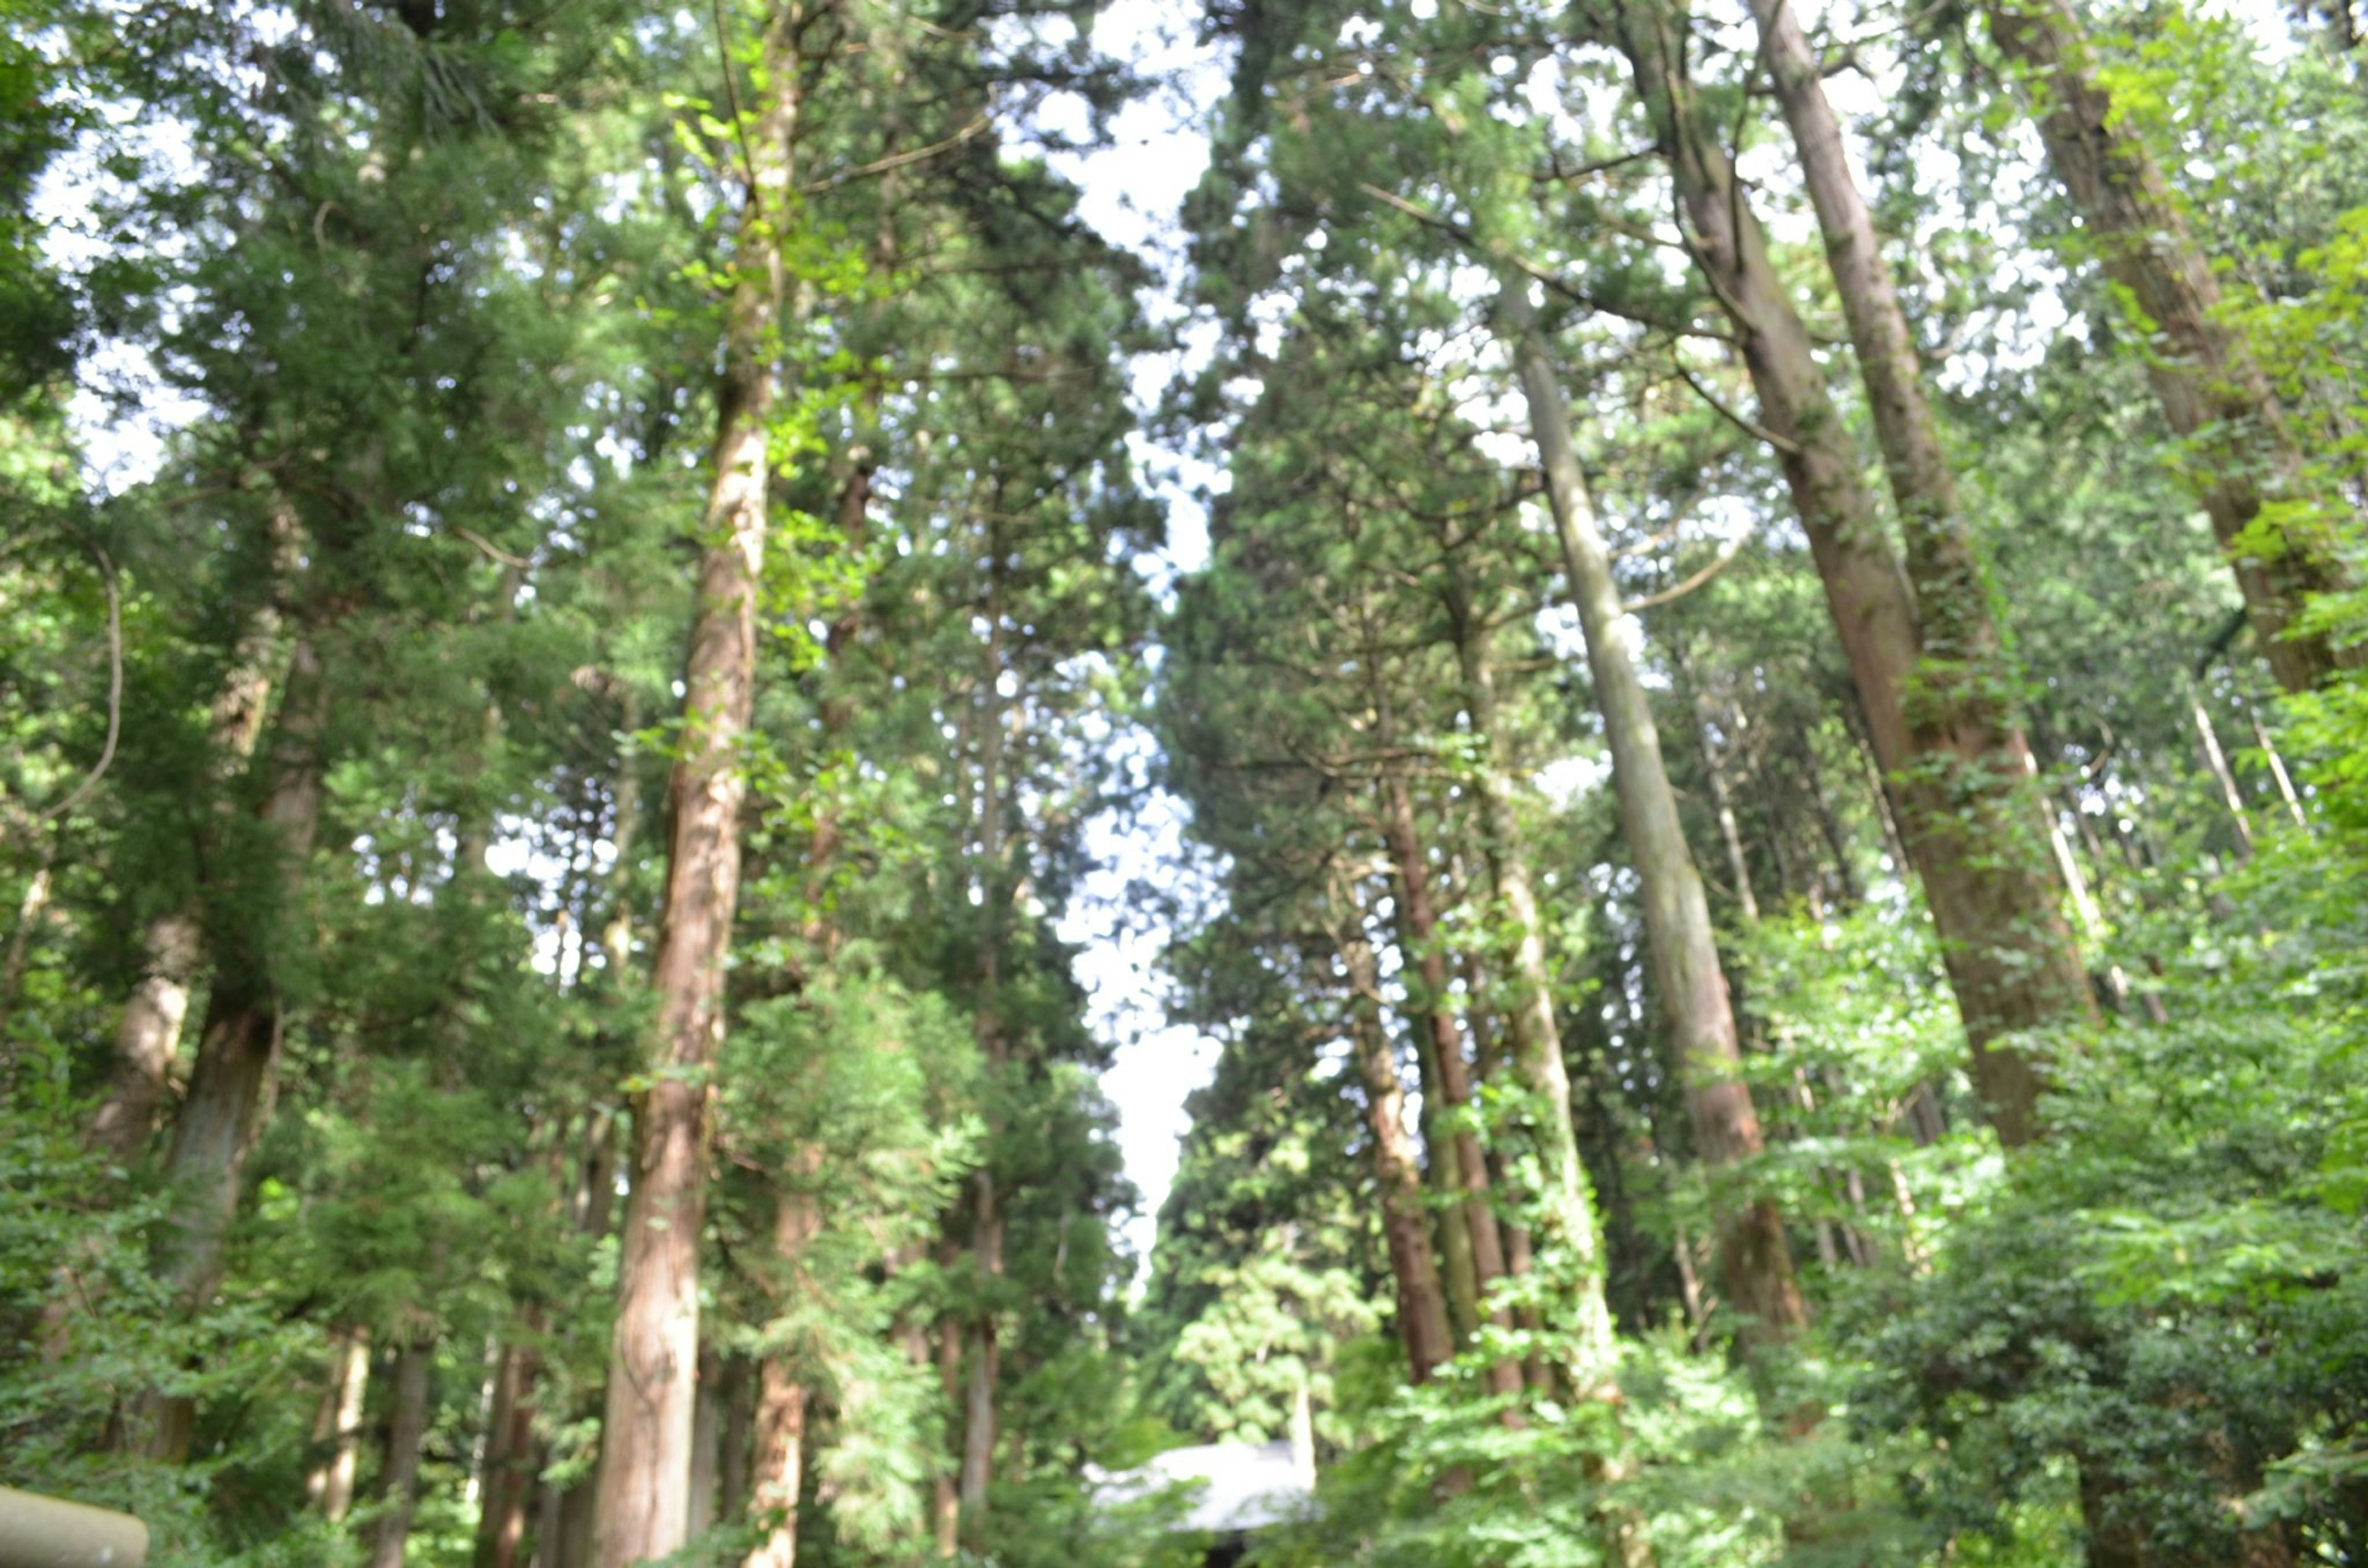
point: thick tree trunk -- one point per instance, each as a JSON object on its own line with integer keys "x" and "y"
{"x": 1972, "y": 836}
{"x": 1423, "y": 1324}
{"x": 149, "y": 1034}
{"x": 229, "y": 1098}
{"x": 2211, "y": 391}
{"x": 642, "y": 1509}
{"x": 1755, "y": 1259}
{"x": 406, "y": 1431}
{"x": 1959, "y": 719}
{"x": 337, "y": 1426}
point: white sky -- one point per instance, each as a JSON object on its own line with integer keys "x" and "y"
{"x": 1132, "y": 193}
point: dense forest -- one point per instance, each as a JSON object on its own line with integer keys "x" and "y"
{"x": 1754, "y": 618}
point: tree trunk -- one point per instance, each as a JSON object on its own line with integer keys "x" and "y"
{"x": 337, "y": 1426}
{"x": 1755, "y": 1261}
{"x": 510, "y": 1455}
{"x": 642, "y": 1507}
{"x": 782, "y": 1397}
{"x": 563, "y": 1534}
{"x": 739, "y": 1438}
{"x": 2211, "y": 391}
{"x": 1418, "y": 923}
{"x": 406, "y": 1430}
{"x": 1960, "y": 719}
{"x": 1422, "y": 1302}
{"x": 706, "y": 1442}
{"x": 1970, "y": 832}
{"x": 149, "y": 1034}
{"x": 231, "y": 1085}
{"x": 1566, "y": 1204}
{"x": 1730, "y": 831}
{"x": 945, "y": 1500}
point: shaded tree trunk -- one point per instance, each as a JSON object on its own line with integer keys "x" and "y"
{"x": 406, "y": 1431}
{"x": 777, "y": 1465}
{"x": 706, "y": 1442}
{"x": 739, "y": 1438}
{"x": 1568, "y": 1201}
{"x": 231, "y": 1085}
{"x": 510, "y": 1455}
{"x": 1969, "y": 833}
{"x": 945, "y": 1498}
{"x": 642, "y": 1502}
{"x": 1422, "y": 1302}
{"x": 2210, "y": 390}
{"x": 149, "y": 1034}
{"x": 1418, "y": 925}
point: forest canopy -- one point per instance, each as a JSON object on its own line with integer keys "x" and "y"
{"x": 1746, "y": 626}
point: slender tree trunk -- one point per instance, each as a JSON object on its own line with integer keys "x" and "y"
{"x": 2210, "y": 390}
{"x": 1730, "y": 833}
{"x": 706, "y": 1442}
{"x": 1418, "y": 921}
{"x": 406, "y": 1431}
{"x": 1422, "y": 1302}
{"x": 739, "y": 1438}
{"x": 565, "y": 1515}
{"x": 945, "y": 1499}
{"x": 642, "y": 1507}
{"x": 1755, "y": 1260}
{"x": 1520, "y": 1254}
{"x": 781, "y": 1395}
{"x": 510, "y": 1455}
{"x": 2215, "y": 762}
{"x": 985, "y": 1354}
{"x": 2009, "y": 956}
{"x": 1568, "y": 1201}
{"x": 337, "y": 1428}
{"x": 1444, "y": 1174}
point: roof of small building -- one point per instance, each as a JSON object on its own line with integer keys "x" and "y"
{"x": 1235, "y": 1486}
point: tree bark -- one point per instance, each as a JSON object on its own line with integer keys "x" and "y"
{"x": 986, "y": 1354}
{"x": 1970, "y": 835}
{"x": 1755, "y": 1261}
{"x": 2210, "y": 390}
{"x": 642, "y": 1510}
{"x": 231, "y": 1085}
{"x": 1568, "y": 1201}
{"x": 706, "y": 1442}
{"x": 782, "y": 1397}
{"x": 406, "y": 1430}
{"x": 510, "y": 1455}
{"x": 1423, "y": 1324}
{"x": 337, "y": 1426}
{"x": 1418, "y": 925}
{"x": 945, "y": 1499}
{"x": 149, "y": 1034}
{"x": 739, "y": 1438}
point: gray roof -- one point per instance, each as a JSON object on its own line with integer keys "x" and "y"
{"x": 1235, "y": 1486}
